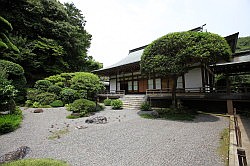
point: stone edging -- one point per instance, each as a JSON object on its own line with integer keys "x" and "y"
{"x": 233, "y": 156}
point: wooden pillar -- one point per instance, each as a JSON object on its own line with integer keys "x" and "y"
{"x": 202, "y": 77}
{"x": 132, "y": 82}
{"x": 230, "y": 109}
{"x": 116, "y": 81}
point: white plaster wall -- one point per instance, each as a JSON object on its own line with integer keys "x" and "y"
{"x": 112, "y": 85}
{"x": 193, "y": 78}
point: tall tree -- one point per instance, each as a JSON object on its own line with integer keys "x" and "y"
{"x": 173, "y": 54}
{"x": 51, "y": 37}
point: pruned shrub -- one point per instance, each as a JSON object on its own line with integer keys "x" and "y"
{"x": 55, "y": 89}
{"x": 68, "y": 95}
{"x": 107, "y": 102}
{"x": 116, "y": 104}
{"x": 46, "y": 98}
{"x": 42, "y": 85}
{"x": 145, "y": 106}
{"x": 55, "y": 78}
{"x": 82, "y": 106}
{"x": 10, "y": 122}
{"x": 88, "y": 82}
{"x": 57, "y": 103}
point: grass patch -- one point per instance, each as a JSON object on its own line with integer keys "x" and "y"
{"x": 72, "y": 117}
{"x": 37, "y": 162}
{"x": 147, "y": 116}
{"x": 10, "y": 122}
{"x": 58, "y": 134}
{"x": 224, "y": 145}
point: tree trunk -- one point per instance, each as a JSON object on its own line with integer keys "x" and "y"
{"x": 174, "y": 100}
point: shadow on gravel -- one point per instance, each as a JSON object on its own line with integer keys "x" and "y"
{"x": 196, "y": 118}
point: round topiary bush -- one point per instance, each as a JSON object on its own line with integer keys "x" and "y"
{"x": 145, "y": 106}
{"x": 82, "y": 106}
{"x": 116, "y": 104}
{"x": 68, "y": 95}
{"x": 42, "y": 85}
{"x": 107, "y": 102}
{"x": 57, "y": 103}
{"x": 55, "y": 89}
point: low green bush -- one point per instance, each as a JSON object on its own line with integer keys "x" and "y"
{"x": 145, "y": 106}
{"x": 107, "y": 102}
{"x": 55, "y": 89}
{"x": 82, "y": 106}
{"x": 46, "y": 98}
{"x": 57, "y": 103}
{"x": 116, "y": 104}
{"x": 36, "y": 162}
{"x": 10, "y": 122}
{"x": 42, "y": 85}
{"x": 68, "y": 95}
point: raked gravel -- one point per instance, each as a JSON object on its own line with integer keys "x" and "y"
{"x": 127, "y": 139}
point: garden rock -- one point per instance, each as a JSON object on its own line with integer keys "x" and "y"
{"x": 97, "y": 120}
{"x": 20, "y": 153}
{"x": 38, "y": 110}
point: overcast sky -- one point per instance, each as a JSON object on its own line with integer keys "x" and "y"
{"x": 118, "y": 26}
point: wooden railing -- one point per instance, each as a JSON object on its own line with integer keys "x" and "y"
{"x": 240, "y": 151}
{"x": 114, "y": 92}
{"x": 200, "y": 90}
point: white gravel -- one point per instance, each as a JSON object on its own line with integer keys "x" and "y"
{"x": 127, "y": 139}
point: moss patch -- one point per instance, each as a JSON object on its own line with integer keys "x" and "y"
{"x": 37, "y": 162}
{"x": 224, "y": 145}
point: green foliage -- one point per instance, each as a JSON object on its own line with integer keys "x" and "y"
{"x": 82, "y": 106}
{"x": 51, "y": 37}
{"x": 66, "y": 86}
{"x": 5, "y": 43}
{"x": 224, "y": 145}
{"x": 7, "y": 93}
{"x": 55, "y": 78}
{"x": 175, "y": 53}
{"x": 68, "y": 95}
{"x": 147, "y": 116}
{"x": 107, "y": 102}
{"x": 116, "y": 104}
{"x": 32, "y": 93}
{"x": 42, "y": 85}
{"x": 36, "y": 105}
{"x": 57, "y": 103}
{"x": 54, "y": 89}
{"x": 88, "y": 82}
{"x": 28, "y": 103}
{"x": 145, "y": 106}
{"x": 243, "y": 44}
{"x": 46, "y": 98}
{"x": 10, "y": 122}
{"x": 36, "y": 162}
